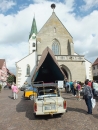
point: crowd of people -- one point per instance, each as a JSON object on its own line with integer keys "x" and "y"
{"x": 74, "y": 87}
{"x": 88, "y": 89}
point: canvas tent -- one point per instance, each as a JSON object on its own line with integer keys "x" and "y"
{"x": 48, "y": 69}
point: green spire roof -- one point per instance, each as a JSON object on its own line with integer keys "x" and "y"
{"x": 33, "y": 28}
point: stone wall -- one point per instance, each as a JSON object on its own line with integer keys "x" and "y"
{"x": 77, "y": 70}
{"x": 47, "y": 35}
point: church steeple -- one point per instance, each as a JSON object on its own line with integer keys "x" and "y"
{"x": 33, "y": 28}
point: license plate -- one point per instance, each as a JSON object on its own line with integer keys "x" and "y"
{"x": 52, "y": 107}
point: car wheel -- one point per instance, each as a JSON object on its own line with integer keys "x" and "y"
{"x": 35, "y": 115}
{"x": 31, "y": 97}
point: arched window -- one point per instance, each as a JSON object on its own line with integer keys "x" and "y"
{"x": 33, "y": 45}
{"x": 56, "y": 47}
{"x": 54, "y": 29}
{"x": 69, "y": 48}
{"x": 28, "y": 70}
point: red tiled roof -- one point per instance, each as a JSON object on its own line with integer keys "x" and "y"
{"x": 9, "y": 72}
{"x": 1, "y": 62}
{"x": 96, "y": 62}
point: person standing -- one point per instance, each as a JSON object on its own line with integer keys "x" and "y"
{"x": 71, "y": 87}
{"x": 90, "y": 83}
{"x": 87, "y": 96}
{"x": 67, "y": 86}
{"x": 75, "y": 86}
{"x": 65, "y": 81}
{"x": 12, "y": 89}
{"x": 15, "y": 91}
{"x": 78, "y": 89}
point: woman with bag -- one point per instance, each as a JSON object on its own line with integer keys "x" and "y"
{"x": 87, "y": 96}
{"x": 15, "y": 91}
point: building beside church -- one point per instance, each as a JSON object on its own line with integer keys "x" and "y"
{"x": 55, "y": 36}
{"x": 3, "y": 72}
{"x": 95, "y": 68}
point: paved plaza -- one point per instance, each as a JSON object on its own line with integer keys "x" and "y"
{"x": 18, "y": 115}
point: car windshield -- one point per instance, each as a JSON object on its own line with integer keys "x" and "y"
{"x": 32, "y": 89}
{"x": 26, "y": 86}
{"x": 95, "y": 86}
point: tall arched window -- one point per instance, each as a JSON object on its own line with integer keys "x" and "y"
{"x": 56, "y": 47}
{"x": 28, "y": 70}
{"x": 54, "y": 29}
{"x": 69, "y": 48}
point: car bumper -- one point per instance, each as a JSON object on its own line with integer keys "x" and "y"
{"x": 50, "y": 112}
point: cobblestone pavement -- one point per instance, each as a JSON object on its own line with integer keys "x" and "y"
{"x": 18, "y": 115}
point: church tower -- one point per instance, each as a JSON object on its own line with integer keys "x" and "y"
{"x": 32, "y": 37}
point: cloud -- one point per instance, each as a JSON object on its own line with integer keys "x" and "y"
{"x": 15, "y": 29}
{"x": 39, "y": 1}
{"x": 89, "y": 4}
{"x": 13, "y": 53}
{"x": 84, "y": 41}
{"x": 70, "y": 4}
{"x": 6, "y": 5}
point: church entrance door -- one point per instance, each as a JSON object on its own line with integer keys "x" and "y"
{"x": 67, "y": 72}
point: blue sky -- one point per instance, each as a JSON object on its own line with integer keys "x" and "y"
{"x": 80, "y": 17}
{"x": 80, "y": 7}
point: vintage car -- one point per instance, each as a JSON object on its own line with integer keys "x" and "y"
{"x": 95, "y": 89}
{"x": 24, "y": 87}
{"x": 49, "y": 101}
{"x": 30, "y": 93}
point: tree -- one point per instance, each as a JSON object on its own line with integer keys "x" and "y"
{"x": 10, "y": 79}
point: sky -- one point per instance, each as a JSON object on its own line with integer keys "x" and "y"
{"x": 80, "y": 18}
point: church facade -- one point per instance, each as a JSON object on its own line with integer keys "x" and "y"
{"x": 55, "y": 36}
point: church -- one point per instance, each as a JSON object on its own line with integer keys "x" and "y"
{"x": 56, "y": 37}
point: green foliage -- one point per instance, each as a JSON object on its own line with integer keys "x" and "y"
{"x": 10, "y": 79}
{"x": 95, "y": 77}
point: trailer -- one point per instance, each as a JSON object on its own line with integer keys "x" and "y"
{"x": 48, "y": 78}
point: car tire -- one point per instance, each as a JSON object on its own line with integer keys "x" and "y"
{"x": 35, "y": 116}
{"x": 31, "y": 97}
{"x": 61, "y": 114}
